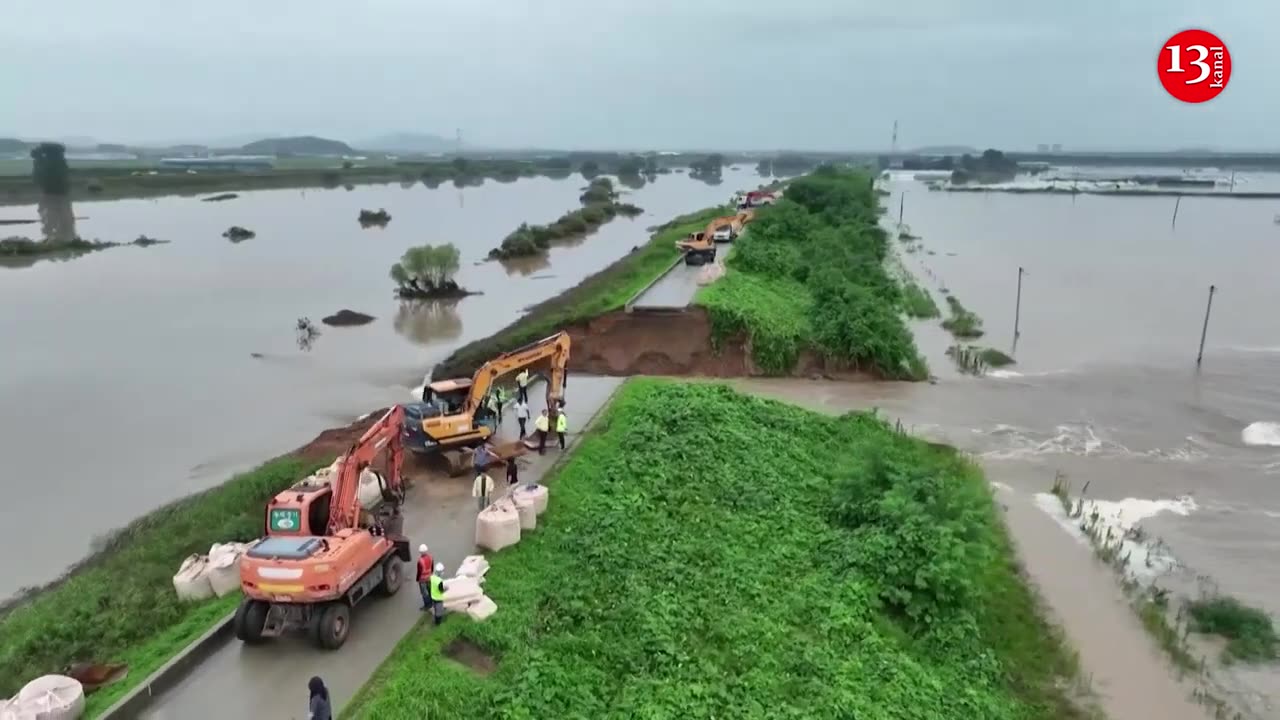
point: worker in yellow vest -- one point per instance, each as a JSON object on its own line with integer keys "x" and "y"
{"x": 522, "y": 385}
{"x": 437, "y": 593}
{"x": 561, "y": 426}
{"x": 543, "y": 426}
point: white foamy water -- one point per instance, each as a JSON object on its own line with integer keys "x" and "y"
{"x": 1261, "y": 433}
{"x": 1116, "y": 524}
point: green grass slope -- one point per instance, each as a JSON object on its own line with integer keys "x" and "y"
{"x": 710, "y": 554}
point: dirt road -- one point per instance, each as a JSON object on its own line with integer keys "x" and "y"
{"x": 270, "y": 681}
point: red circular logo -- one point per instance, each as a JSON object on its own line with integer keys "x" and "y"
{"x": 1194, "y": 66}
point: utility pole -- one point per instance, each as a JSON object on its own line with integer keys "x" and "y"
{"x": 893, "y": 145}
{"x": 902, "y": 204}
{"x": 1017, "y": 307}
{"x": 1176, "y": 205}
{"x": 457, "y": 143}
{"x": 1233, "y": 181}
{"x": 1205, "y": 330}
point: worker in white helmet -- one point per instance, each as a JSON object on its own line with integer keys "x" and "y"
{"x": 425, "y": 564}
{"x": 437, "y": 593}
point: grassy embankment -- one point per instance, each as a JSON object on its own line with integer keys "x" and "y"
{"x": 599, "y": 206}
{"x": 120, "y": 605}
{"x": 603, "y": 292}
{"x": 23, "y": 247}
{"x": 810, "y": 276}
{"x": 828, "y": 567}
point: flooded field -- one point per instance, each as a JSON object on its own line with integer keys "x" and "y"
{"x": 130, "y": 376}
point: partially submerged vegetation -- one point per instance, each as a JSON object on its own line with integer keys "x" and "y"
{"x": 809, "y": 275}
{"x": 23, "y": 247}
{"x": 223, "y": 197}
{"x": 603, "y": 292}
{"x": 1250, "y": 634}
{"x": 600, "y": 205}
{"x": 374, "y": 218}
{"x": 120, "y": 605}
{"x": 918, "y": 302}
{"x": 975, "y": 360}
{"x": 868, "y": 577}
{"x": 426, "y": 272}
{"x": 963, "y": 324}
{"x": 236, "y": 234}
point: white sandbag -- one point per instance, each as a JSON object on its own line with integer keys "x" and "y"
{"x": 223, "y": 567}
{"x": 50, "y": 697}
{"x": 324, "y": 476}
{"x": 369, "y": 491}
{"x": 498, "y": 526}
{"x": 474, "y": 566}
{"x": 191, "y": 583}
{"x": 460, "y": 592}
{"x": 482, "y": 608}
{"x": 537, "y": 493}
{"x": 525, "y": 509}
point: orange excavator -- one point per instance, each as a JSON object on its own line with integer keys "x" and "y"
{"x": 700, "y": 248}
{"x": 324, "y": 552}
{"x": 452, "y": 417}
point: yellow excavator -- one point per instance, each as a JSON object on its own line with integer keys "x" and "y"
{"x": 453, "y": 417}
{"x": 700, "y": 248}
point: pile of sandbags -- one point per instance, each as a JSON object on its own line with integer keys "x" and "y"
{"x": 201, "y": 577}
{"x": 533, "y": 492}
{"x": 526, "y": 510}
{"x": 464, "y": 594}
{"x": 323, "y": 476}
{"x": 498, "y": 526}
{"x": 50, "y": 697}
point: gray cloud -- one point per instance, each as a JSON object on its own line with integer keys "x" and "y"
{"x": 620, "y": 73}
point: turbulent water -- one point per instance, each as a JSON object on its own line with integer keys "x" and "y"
{"x": 1106, "y": 388}
{"x": 134, "y": 376}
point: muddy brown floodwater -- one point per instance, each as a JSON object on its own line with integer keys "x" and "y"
{"x": 130, "y": 377}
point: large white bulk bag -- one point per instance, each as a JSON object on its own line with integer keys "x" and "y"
{"x": 498, "y": 526}
{"x": 50, "y": 697}
{"x": 223, "y": 567}
{"x": 525, "y": 509}
{"x": 191, "y": 582}
{"x": 369, "y": 491}
{"x": 537, "y": 493}
{"x": 482, "y": 608}
{"x": 473, "y": 566}
{"x": 461, "y": 592}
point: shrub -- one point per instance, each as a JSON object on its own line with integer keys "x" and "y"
{"x": 1249, "y": 632}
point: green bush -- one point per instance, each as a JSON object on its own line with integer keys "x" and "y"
{"x": 1249, "y": 632}
{"x": 600, "y": 207}
{"x": 821, "y": 251}
{"x": 120, "y": 606}
{"x": 828, "y": 567}
{"x": 963, "y": 323}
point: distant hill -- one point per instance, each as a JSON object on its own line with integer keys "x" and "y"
{"x": 12, "y": 145}
{"x": 409, "y": 142}
{"x": 300, "y": 145}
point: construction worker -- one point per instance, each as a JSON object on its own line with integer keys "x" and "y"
{"x": 561, "y": 426}
{"x": 425, "y": 564}
{"x": 437, "y": 593}
{"x": 543, "y": 426}
{"x": 522, "y": 385}
{"x": 513, "y": 473}
{"x": 481, "y": 489}
{"x": 522, "y": 417}
{"x": 481, "y": 458}
{"x": 495, "y": 406}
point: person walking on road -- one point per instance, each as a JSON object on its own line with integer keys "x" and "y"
{"x": 562, "y": 425}
{"x": 543, "y": 426}
{"x": 522, "y": 417}
{"x": 522, "y": 386}
{"x": 320, "y": 707}
{"x": 481, "y": 458}
{"x": 513, "y": 473}
{"x": 481, "y": 489}
{"x": 425, "y": 564}
{"x": 437, "y": 593}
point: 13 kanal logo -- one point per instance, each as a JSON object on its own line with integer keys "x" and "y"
{"x": 1194, "y": 66}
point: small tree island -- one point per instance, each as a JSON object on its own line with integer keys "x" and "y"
{"x": 426, "y": 272}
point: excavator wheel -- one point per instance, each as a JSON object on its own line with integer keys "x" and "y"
{"x": 330, "y": 625}
{"x": 392, "y": 576}
{"x": 250, "y": 619}
{"x": 694, "y": 258}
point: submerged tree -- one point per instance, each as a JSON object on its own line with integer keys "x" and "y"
{"x": 427, "y": 271}
{"x": 49, "y": 168}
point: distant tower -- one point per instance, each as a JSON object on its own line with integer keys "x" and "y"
{"x": 893, "y": 146}
{"x": 457, "y": 148}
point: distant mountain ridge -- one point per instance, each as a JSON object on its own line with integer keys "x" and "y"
{"x": 298, "y": 145}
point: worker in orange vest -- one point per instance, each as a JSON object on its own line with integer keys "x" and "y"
{"x": 425, "y": 566}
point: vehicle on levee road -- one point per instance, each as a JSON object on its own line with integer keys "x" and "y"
{"x": 324, "y": 551}
{"x": 452, "y": 418}
{"x": 700, "y": 247}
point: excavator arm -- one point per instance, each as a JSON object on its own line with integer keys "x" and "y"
{"x": 385, "y": 434}
{"x": 553, "y": 350}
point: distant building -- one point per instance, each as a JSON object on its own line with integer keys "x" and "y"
{"x": 222, "y": 162}
{"x": 1042, "y": 149}
{"x": 1057, "y": 148}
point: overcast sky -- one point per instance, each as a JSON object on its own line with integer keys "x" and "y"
{"x": 750, "y": 74}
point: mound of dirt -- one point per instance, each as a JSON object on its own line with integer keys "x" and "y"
{"x": 347, "y": 318}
